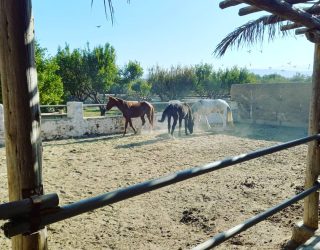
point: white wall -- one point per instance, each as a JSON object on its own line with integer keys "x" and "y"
{"x": 75, "y": 125}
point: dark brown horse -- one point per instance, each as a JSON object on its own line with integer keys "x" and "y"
{"x": 178, "y": 111}
{"x": 132, "y": 109}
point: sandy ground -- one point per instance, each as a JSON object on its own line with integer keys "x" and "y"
{"x": 184, "y": 214}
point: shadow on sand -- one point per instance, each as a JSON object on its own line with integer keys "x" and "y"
{"x": 157, "y": 138}
{"x": 84, "y": 139}
{"x": 266, "y": 132}
{"x": 251, "y": 131}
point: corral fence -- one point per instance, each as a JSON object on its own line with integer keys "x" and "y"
{"x": 76, "y": 119}
{"x": 29, "y": 215}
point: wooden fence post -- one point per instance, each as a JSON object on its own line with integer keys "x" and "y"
{"x": 304, "y": 230}
{"x": 21, "y": 109}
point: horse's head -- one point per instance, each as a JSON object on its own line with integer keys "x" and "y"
{"x": 111, "y": 103}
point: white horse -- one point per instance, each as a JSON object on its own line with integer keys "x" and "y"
{"x": 205, "y": 107}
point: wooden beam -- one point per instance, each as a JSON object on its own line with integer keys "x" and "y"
{"x": 21, "y": 110}
{"x": 286, "y": 11}
{"x": 312, "y": 10}
{"x": 228, "y": 3}
{"x": 315, "y": 9}
{"x": 248, "y": 10}
{"x": 301, "y": 31}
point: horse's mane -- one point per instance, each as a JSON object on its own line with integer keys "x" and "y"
{"x": 117, "y": 99}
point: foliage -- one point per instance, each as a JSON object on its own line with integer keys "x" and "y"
{"x": 172, "y": 84}
{"x": 220, "y": 81}
{"x": 140, "y": 89}
{"x": 72, "y": 73}
{"x": 101, "y": 71}
{"x": 131, "y": 71}
{"x": 200, "y": 79}
{"x": 276, "y": 78}
{"x": 252, "y": 32}
{"x": 204, "y": 84}
{"x": 300, "y": 78}
{"x": 49, "y": 82}
{"x": 126, "y": 77}
{"x": 87, "y": 73}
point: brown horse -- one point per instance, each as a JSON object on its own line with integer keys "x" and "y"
{"x": 132, "y": 109}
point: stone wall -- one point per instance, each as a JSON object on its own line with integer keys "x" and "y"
{"x": 273, "y": 104}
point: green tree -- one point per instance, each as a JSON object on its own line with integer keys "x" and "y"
{"x": 101, "y": 72}
{"x": 172, "y": 84}
{"x": 131, "y": 71}
{"x": 140, "y": 89}
{"x": 213, "y": 84}
{"x": 88, "y": 73}
{"x": 272, "y": 78}
{"x": 73, "y": 74}
{"x": 204, "y": 81}
{"x": 300, "y": 78}
{"x": 49, "y": 82}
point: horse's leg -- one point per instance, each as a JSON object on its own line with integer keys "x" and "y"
{"x": 125, "y": 127}
{"x": 186, "y": 125}
{"x": 169, "y": 123}
{"x": 150, "y": 118}
{"x": 130, "y": 122}
{"x": 143, "y": 120}
{"x": 175, "y": 119}
{"x": 208, "y": 124}
{"x": 180, "y": 121}
{"x": 224, "y": 119}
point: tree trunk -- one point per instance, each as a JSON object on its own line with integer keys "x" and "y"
{"x": 21, "y": 109}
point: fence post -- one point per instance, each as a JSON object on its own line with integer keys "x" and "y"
{"x": 304, "y": 230}
{"x": 75, "y": 113}
{"x": 21, "y": 110}
{"x": 1, "y": 125}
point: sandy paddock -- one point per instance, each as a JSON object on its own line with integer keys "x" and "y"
{"x": 179, "y": 216}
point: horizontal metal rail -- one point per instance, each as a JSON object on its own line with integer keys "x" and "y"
{"x": 94, "y": 105}
{"x": 221, "y": 237}
{"x": 86, "y": 205}
{"x": 52, "y": 114}
{"x": 54, "y": 106}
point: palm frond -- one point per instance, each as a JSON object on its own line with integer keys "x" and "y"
{"x": 251, "y": 33}
{"x": 110, "y": 6}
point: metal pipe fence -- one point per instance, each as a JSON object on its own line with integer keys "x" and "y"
{"x": 222, "y": 237}
{"x": 13, "y": 228}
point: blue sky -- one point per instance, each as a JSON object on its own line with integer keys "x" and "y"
{"x": 163, "y": 32}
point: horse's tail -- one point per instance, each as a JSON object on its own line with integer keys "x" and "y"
{"x": 229, "y": 116}
{"x": 164, "y": 114}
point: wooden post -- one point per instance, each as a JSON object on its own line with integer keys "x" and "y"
{"x": 306, "y": 229}
{"x": 21, "y": 109}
